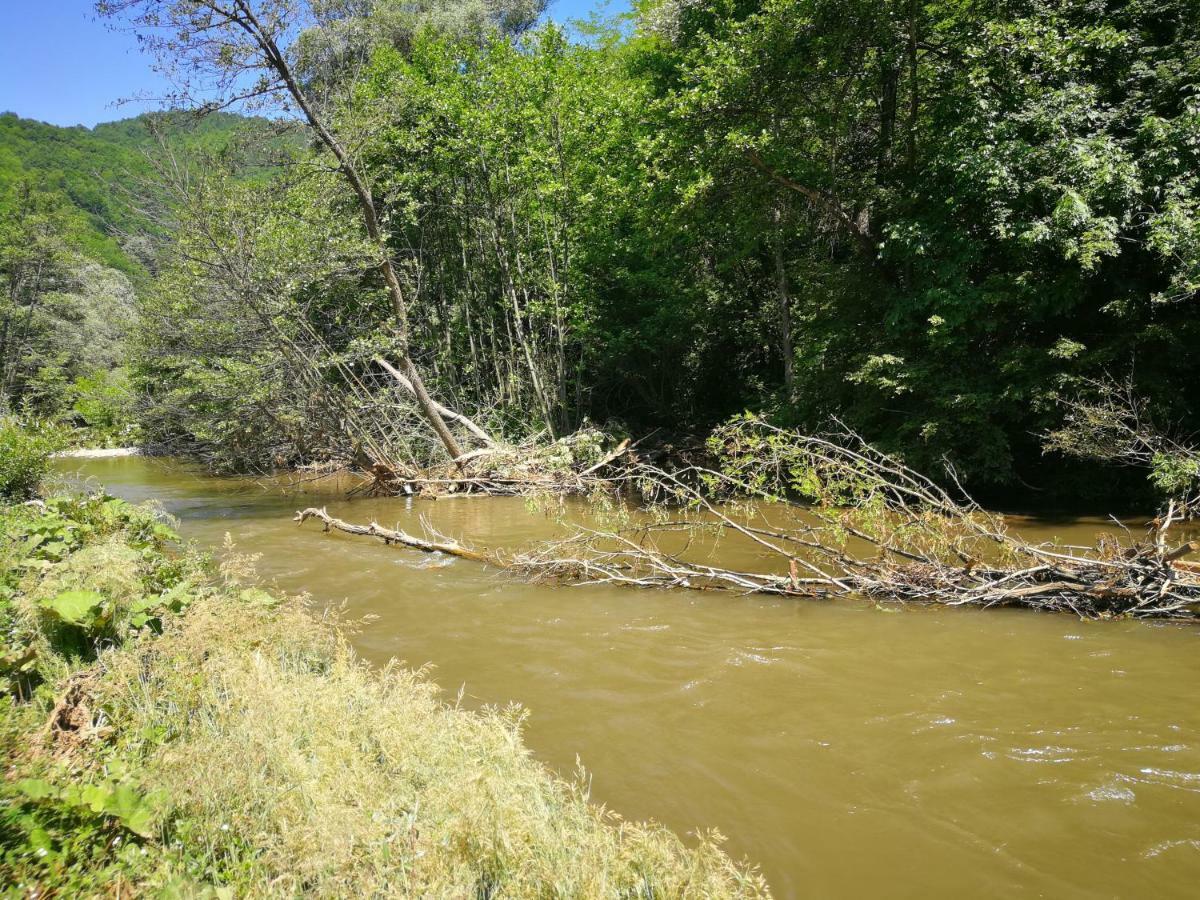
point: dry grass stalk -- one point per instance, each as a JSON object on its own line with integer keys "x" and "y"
{"x": 328, "y": 779}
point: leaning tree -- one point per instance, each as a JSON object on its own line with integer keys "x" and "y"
{"x": 221, "y": 53}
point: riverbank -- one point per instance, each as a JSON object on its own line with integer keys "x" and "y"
{"x": 173, "y": 727}
{"x": 98, "y": 452}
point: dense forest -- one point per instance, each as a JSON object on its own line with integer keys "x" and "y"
{"x": 937, "y": 222}
{"x": 80, "y": 228}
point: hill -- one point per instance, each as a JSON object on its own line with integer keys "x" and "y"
{"x": 98, "y": 172}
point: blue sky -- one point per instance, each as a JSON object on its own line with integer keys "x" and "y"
{"x": 59, "y": 64}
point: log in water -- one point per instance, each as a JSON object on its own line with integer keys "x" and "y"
{"x": 847, "y": 750}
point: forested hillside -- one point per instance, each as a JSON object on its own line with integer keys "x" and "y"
{"x": 82, "y": 213}
{"x": 103, "y": 176}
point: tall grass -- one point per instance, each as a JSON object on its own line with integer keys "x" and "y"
{"x": 277, "y": 764}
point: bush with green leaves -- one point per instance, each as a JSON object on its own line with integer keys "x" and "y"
{"x": 78, "y": 574}
{"x": 25, "y": 457}
{"x": 104, "y": 404}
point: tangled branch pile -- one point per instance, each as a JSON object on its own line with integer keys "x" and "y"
{"x": 829, "y": 516}
{"x": 570, "y": 465}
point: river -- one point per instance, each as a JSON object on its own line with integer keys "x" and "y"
{"x": 846, "y": 750}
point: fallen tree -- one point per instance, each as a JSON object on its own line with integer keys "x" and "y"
{"x": 574, "y": 464}
{"x": 394, "y": 536}
{"x": 831, "y": 516}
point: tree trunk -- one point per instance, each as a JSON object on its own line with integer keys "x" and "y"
{"x": 366, "y": 204}
{"x": 785, "y": 305}
{"x": 405, "y": 381}
{"x": 914, "y": 94}
{"x": 887, "y": 115}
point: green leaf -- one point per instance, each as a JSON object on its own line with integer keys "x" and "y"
{"x": 135, "y": 811}
{"x": 140, "y": 821}
{"x": 73, "y": 606}
{"x": 96, "y": 797}
{"x": 39, "y": 839}
{"x": 258, "y": 597}
{"x": 164, "y": 534}
{"x": 115, "y": 506}
{"x": 36, "y": 788}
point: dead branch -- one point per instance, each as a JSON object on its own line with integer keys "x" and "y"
{"x": 607, "y": 460}
{"x": 391, "y": 536}
{"x": 445, "y": 411}
{"x": 856, "y": 522}
{"x": 528, "y": 470}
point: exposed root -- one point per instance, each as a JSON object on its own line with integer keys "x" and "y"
{"x": 72, "y": 722}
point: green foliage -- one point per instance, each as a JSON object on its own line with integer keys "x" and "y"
{"x": 101, "y": 575}
{"x": 981, "y": 189}
{"x": 25, "y": 457}
{"x": 67, "y": 286}
{"x": 73, "y": 571}
{"x": 105, "y": 404}
{"x": 932, "y": 220}
{"x": 1176, "y": 474}
{"x": 81, "y": 166}
{"x": 77, "y": 837}
{"x": 76, "y": 608}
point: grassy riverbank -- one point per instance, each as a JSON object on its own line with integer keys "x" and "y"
{"x": 170, "y": 726}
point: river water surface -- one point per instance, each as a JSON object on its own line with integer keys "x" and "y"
{"x": 845, "y": 750}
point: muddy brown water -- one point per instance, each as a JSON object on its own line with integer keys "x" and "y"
{"x": 846, "y": 751}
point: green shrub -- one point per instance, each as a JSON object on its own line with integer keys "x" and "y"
{"x": 100, "y": 569}
{"x": 104, "y": 403}
{"x": 25, "y": 457}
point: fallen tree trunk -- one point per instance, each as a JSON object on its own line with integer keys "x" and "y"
{"x": 391, "y": 536}
{"x": 673, "y": 573}
{"x": 915, "y": 542}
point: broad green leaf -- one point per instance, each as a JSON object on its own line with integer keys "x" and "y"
{"x": 36, "y": 788}
{"x": 73, "y": 606}
{"x": 96, "y": 797}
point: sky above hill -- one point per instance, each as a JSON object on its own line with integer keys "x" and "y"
{"x": 60, "y": 64}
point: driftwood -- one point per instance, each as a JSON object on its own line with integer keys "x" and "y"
{"x": 392, "y": 536}
{"x": 866, "y": 526}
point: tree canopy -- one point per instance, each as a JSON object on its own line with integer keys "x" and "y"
{"x": 935, "y": 221}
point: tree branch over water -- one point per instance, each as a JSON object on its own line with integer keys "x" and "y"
{"x": 832, "y": 516}
{"x": 1109, "y": 421}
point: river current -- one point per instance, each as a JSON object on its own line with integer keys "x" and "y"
{"x": 846, "y": 750}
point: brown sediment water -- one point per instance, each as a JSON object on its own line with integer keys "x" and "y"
{"x": 847, "y": 750}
